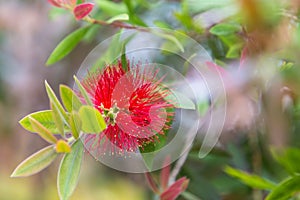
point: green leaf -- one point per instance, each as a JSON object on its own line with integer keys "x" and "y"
{"x": 83, "y": 92}
{"x": 124, "y": 59}
{"x": 62, "y": 147}
{"x": 67, "y": 45}
{"x": 36, "y": 162}
{"x": 42, "y": 131}
{"x": 57, "y": 119}
{"x": 250, "y": 180}
{"x": 70, "y": 100}
{"x": 121, "y": 17}
{"x": 75, "y": 124}
{"x": 45, "y": 118}
{"x": 111, "y": 7}
{"x": 234, "y": 51}
{"x": 69, "y": 170}
{"x": 172, "y": 39}
{"x": 195, "y": 7}
{"x": 162, "y": 24}
{"x": 180, "y": 100}
{"x": 288, "y": 158}
{"x": 133, "y": 17}
{"x": 225, "y": 29}
{"x": 52, "y": 97}
{"x": 285, "y": 189}
{"x": 113, "y": 51}
{"x": 92, "y": 120}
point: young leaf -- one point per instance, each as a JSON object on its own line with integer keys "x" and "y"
{"x": 224, "y": 29}
{"x": 82, "y": 10}
{"x": 56, "y": 103}
{"x": 121, "y": 17}
{"x": 92, "y": 120}
{"x": 45, "y": 118}
{"x": 66, "y": 45}
{"x": 250, "y": 180}
{"x": 36, "y": 162}
{"x": 42, "y": 131}
{"x": 83, "y": 92}
{"x": 62, "y": 147}
{"x": 69, "y": 170}
{"x": 69, "y": 98}
{"x": 75, "y": 124}
{"x": 57, "y": 119}
{"x": 285, "y": 189}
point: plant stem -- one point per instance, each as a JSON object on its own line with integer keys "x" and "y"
{"x": 116, "y": 24}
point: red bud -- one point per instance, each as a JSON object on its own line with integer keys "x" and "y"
{"x": 82, "y": 10}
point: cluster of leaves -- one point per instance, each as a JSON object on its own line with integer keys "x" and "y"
{"x": 286, "y": 189}
{"x": 55, "y": 126}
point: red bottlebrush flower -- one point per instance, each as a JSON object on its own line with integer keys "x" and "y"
{"x": 133, "y": 105}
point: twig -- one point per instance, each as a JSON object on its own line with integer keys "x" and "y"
{"x": 116, "y": 24}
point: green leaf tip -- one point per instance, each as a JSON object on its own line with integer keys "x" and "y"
{"x": 70, "y": 100}
{"x": 69, "y": 170}
{"x": 42, "y": 131}
{"x": 36, "y": 162}
{"x": 66, "y": 45}
{"x": 83, "y": 91}
{"x": 52, "y": 97}
{"x": 250, "y": 179}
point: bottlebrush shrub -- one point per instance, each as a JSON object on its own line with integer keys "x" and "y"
{"x": 123, "y": 105}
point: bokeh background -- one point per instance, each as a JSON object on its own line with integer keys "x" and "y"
{"x": 263, "y": 112}
{"x": 27, "y": 37}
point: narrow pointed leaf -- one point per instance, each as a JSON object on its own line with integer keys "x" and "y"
{"x": 75, "y": 124}
{"x": 82, "y": 10}
{"x": 70, "y": 100}
{"x": 69, "y": 170}
{"x": 121, "y": 17}
{"x": 124, "y": 58}
{"x": 67, "y": 45}
{"x": 45, "y": 118}
{"x": 285, "y": 189}
{"x": 92, "y": 120}
{"x": 36, "y": 162}
{"x": 56, "y": 103}
{"x": 224, "y": 29}
{"x": 83, "y": 92}
{"x": 249, "y": 179}
{"x": 57, "y": 119}
{"x": 42, "y": 131}
{"x": 62, "y": 147}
